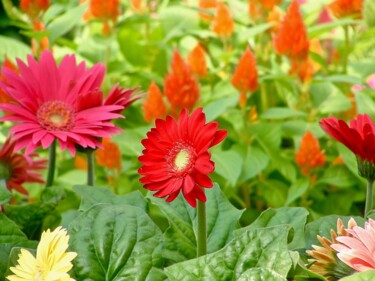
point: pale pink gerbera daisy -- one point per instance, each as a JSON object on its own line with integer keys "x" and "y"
{"x": 62, "y": 103}
{"x": 358, "y": 251}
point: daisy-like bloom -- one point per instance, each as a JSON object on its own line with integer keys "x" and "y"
{"x": 180, "y": 86}
{"x": 34, "y": 7}
{"x": 324, "y": 260}
{"x": 345, "y": 8}
{"x": 52, "y": 262}
{"x": 109, "y": 156}
{"x": 206, "y": 5}
{"x": 176, "y": 156}
{"x": 309, "y": 155}
{"x": 357, "y": 250}
{"x": 197, "y": 61}
{"x": 17, "y": 169}
{"x": 154, "y": 106}
{"x": 245, "y": 77}
{"x": 223, "y": 24}
{"x": 121, "y": 97}
{"x": 67, "y": 107}
{"x": 359, "y": 137}
{"x": 291, "y": 39}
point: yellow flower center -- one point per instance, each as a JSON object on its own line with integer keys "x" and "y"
{"x": 56, "y": 115}
{"x": 181, "y": 160}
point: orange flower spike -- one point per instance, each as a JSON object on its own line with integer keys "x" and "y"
{"x": 205, "y": 5}
{"x": 153, "y": 105}
{"x": 245, "y": 76}
{"x": 223, "y": 24}
{"x": 180, "y": 86}
{"x": 291, "y": 39}
{"x": 80, "y": 163}
{"x": 109, "y": 156}
{"x": 275, "y": 16}
{"x": 344, "y": 8}
{"x": 197, "y": 61}
{"x": 105, "y": 10}
{"x": 270, "y": 4}
{"x": 34, "y": 7}
{"x": 309, "y": 155}
{"x": 4, "y": 97}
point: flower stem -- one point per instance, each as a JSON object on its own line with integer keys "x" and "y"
{"x": 90, "y": 167}
{"x": 347, "y": 46}
{"x": 369, "y": 197}
{"x": 51, "y": 164}
{"x": 202, "y": 231}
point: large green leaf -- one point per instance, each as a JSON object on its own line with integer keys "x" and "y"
{"x": 255, "y": 162}
{"x": 281, "y": 113}
{"x": 115, "y": 242}
{"x": 5, "y": 194}
{"x": 222, "y": 219}
{"x": 31, "y": 217}
{"x": 10, "y": 236}
{"x": 361, "y": 276}
{"x": 98, "y": 195}
{"x": 296, "y": 190}
{"x": 256, "y": 248}
{"x": 260, "y": 274}
{"x": 294, "y": 216}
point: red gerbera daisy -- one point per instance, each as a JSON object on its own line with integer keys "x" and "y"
{"x": 17, "y": 169}
{"x": 359, "y": 137}
{"x": 61, "y": 103}
{"x": 176, "y": 156}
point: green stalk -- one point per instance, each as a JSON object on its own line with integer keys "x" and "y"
{"x": 90, "y": 167}
{"x": 202, "y": 231}
{"x": 51, "y": 164}
{"x": 369, "y": 197}
{"x": 347, "y": 46}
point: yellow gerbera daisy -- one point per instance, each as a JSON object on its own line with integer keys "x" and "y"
{"x": 52, "y": 263}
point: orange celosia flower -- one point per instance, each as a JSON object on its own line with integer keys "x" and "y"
{"x": 180, "y": 86}
{"x": 80, "y": 163}
{"x": 109, "y": 156}
{"x": 38, "y": 46}
{"x": 223, "y": 24}
{"x": 258, "y": 8}
{"x": 353, "y": 111}
{"x": 139, "y": 5}
{"x": 275, "y": 16}
{"x": 153, "y": 105}
{"x": 344, "y": 8}
{"x": 197, "y": 61}
{"x": 309, "y": 155}
{"x": 205, "y": 5}
{"x": 291, "y": 40}
{"x": 4, "y": 97}
{"x": 34, "y": 7}
{"x": 245, "y": 78}
{"x": 107, "y": 11}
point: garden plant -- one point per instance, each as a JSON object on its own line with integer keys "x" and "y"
{"x": 187, "y": 140}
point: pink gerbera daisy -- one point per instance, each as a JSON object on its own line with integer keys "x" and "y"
{"x": 62, "y": 103}
{"x": 176, "y": 156}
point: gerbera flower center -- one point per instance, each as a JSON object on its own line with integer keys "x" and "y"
{"x": 181, "y": 158}
{"x": 56, "y": 115}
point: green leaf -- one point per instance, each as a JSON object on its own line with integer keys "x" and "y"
{"x": 115, "y": 242}
{"x": 323, "y": 227}
{"x": 99, "y": 195}
{"x": 62, "y": 24}
{"x": 296, "y": 190}
{"x": 261, "y": 274}
{"x": 361, "y": 276}
{"x": 255, "y": 162}
{"x": 228, "y": 164}
{"x": 222, "y": 219}
{"x": 13, "y": 48}
{"x": 217, "y": 107}
{"x": 274, "y": 191}
{"x": 294, "y": 216}
{"x": 30, "y": 217}
{"x": 281, "y": 113}
{"x": 5, "y": 194}
{"x": 256, "y": 248}
{"x": 10, "y": 236}
{"x": 319, "y": 29}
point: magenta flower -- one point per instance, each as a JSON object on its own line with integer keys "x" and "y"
{"x": 62, "y": 103}
{"x": 358, "y": 251}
